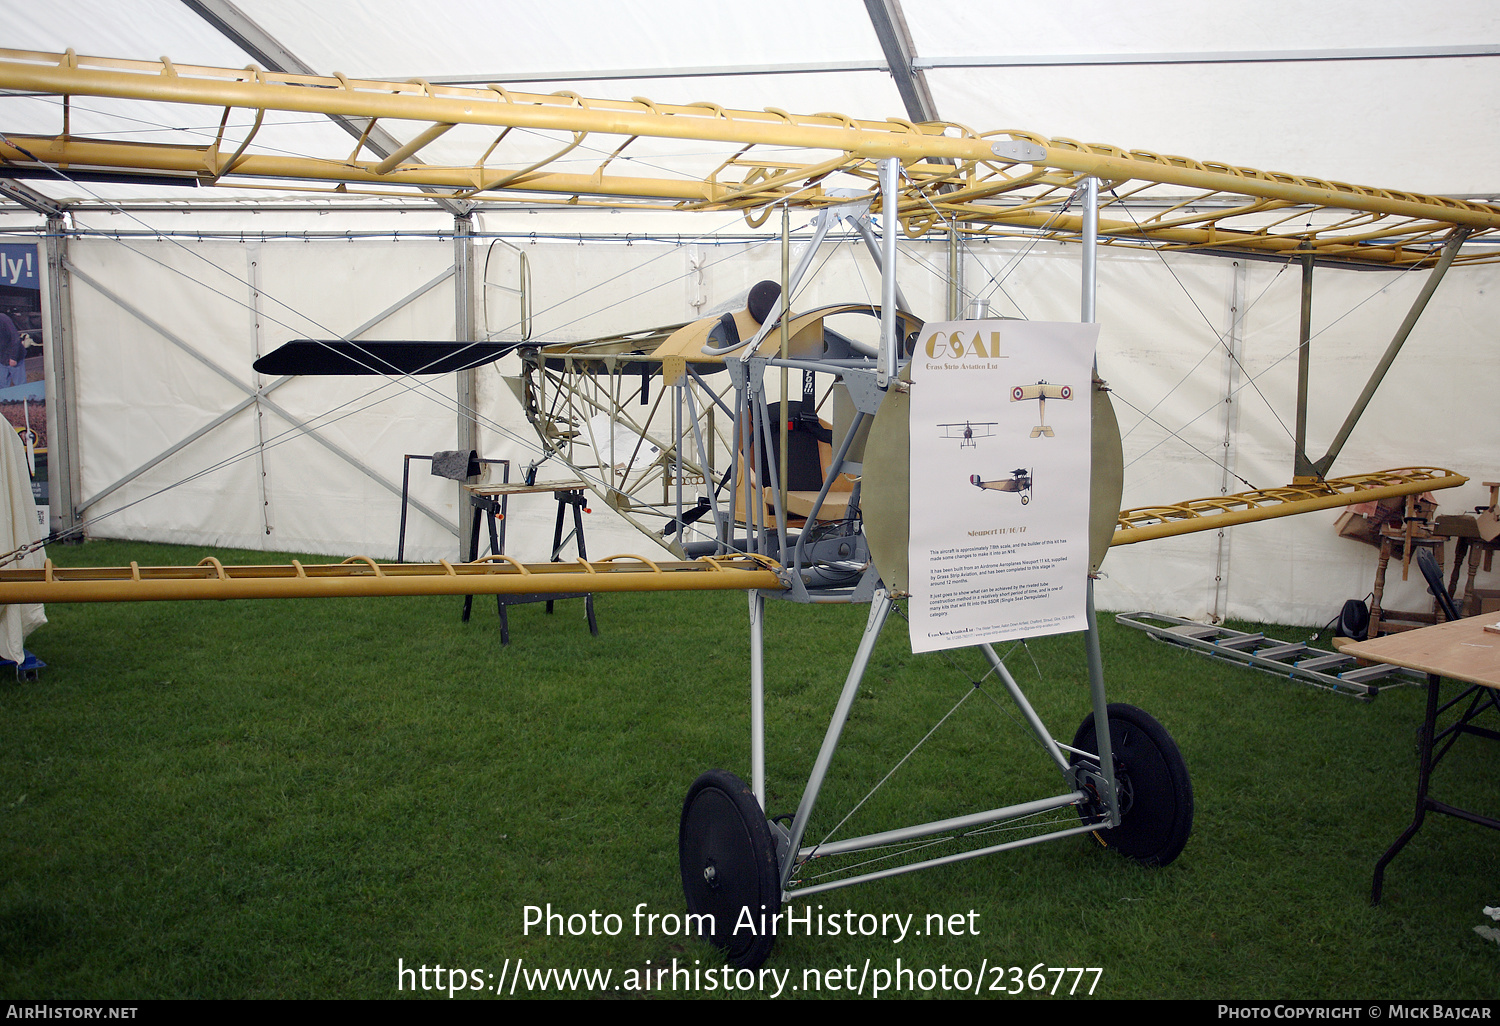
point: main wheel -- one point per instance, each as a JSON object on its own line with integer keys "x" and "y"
{"x": 729, "y": 867}
{"x": 1156, "y": 795}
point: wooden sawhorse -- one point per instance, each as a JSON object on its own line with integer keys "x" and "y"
{"x": 491, "y": 502}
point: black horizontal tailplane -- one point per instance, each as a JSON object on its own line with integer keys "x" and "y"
{"x": 313, "y": 356}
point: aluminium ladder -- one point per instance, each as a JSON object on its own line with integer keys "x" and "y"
{"x": 1332, "y": 671}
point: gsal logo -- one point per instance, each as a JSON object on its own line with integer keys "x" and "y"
{"x": 958, "y": 345}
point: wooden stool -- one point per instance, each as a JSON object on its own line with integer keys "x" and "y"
{"x": 1403, "y": 540}
{"x": 1480, "y": 539}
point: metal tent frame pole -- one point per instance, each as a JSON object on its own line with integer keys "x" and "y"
{"x": 63, "y": 464}
{"x": 468, "y": 380}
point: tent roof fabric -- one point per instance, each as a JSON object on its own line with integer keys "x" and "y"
{"x": 1283, "y": 86}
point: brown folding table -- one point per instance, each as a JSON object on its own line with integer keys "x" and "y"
{"x": 1463, "y": 651}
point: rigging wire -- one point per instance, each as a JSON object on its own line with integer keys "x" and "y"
{"x": 998, "y": 284}
{"x": 997, "y": 279}
{"x": 1270, "y": 367}
{"x": 1007, "y": 269}
{"x": 1015, "y": 261}
{"x": 898, "y": 849}
{"x": 1218, "y": 341}
{"x": 892, "y": 771}
{"x": 1219, "y": 336}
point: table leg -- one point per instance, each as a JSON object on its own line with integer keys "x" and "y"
{"x": 1469, "y": 598}
{"x": 1424, "y": 774}
{"x": 504, "y": 512}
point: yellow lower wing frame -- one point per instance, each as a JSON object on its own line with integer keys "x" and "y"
{"x": 362, "y": 576}
{"x": 1146, "y": 522}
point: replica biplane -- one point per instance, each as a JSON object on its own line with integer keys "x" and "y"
{"x": 691, "y": 432}
{"x": 1018, "y": 480}
{"x": 1041, "y": 392}
{"x": 967, "y": 433}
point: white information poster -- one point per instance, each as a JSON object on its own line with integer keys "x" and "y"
{"x": 1000, "y": 445}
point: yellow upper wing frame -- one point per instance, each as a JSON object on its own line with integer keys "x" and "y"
{"x": 996, "y": 183}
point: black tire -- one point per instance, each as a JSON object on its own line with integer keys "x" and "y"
{"x": 728, "y": 862}
{"x": 1156, "y": 794}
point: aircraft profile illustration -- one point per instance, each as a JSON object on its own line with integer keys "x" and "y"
{"x": 1019, "y": 480}
{"x": 968, "y": 431}
{"x": 1041, "y": 392}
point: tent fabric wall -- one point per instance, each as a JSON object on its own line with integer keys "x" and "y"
{"x": 1183, "y": 337}
{"x": 255, "y": 481}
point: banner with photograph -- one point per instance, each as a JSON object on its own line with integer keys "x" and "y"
{"x": 1000, "y": 447}
{"x": 23, "y": 395}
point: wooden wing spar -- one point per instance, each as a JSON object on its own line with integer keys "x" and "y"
{"x": 362, "y": 576}
{"x": 494, "y": 142}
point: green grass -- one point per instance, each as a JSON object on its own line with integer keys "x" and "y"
{"x": 281, "y": 799}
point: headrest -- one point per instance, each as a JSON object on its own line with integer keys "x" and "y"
{"x": 762, "y": 300}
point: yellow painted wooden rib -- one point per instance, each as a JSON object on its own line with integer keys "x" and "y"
{"x": 362, "y": 576}
{"x": 1146, "y": 522}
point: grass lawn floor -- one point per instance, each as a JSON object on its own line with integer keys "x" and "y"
{"x": 296, "y": 799}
